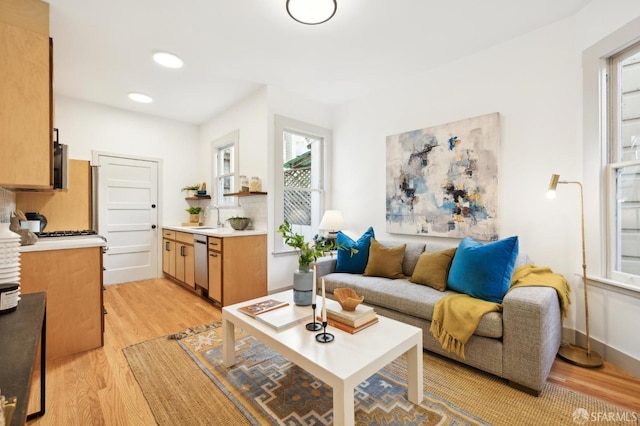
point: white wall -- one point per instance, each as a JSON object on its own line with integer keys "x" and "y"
{"x": 534, "y": 82}
{"x": 531, "y": 82}
{"x": 249, "y": 117}
{"x": 86, "y": 126}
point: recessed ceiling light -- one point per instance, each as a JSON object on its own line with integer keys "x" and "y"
{"x": 140, "y": 97}
{"x": 168, "y": 60}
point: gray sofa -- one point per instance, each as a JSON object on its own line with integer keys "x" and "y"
{"x": 519, "y": 344}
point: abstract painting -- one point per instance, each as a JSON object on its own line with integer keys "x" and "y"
{"x": 443, "y": 181}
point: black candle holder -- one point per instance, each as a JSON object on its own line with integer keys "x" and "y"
{"x": 324, "y": 337}
{"x": 315, "y": 325}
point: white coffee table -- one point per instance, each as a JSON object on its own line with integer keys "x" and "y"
{"x": 343, "y": 363}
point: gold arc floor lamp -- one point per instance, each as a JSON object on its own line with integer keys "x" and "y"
{"x": 575, "y": 354}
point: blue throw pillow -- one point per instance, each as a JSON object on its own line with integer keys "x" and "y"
{"x": 483, "y": 270}
{"x": 353, "y": 263}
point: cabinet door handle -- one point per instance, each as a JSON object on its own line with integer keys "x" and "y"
{"x": 166, "y": 246}
{"x": 182, "y": 251}
{"x": 213, "y": 255}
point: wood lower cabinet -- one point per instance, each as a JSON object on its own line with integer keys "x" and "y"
{"x": 72, "y": 279}
{"x": 237, "y": 268}
{"x": 178, "y": 260}
{"x": 215, "y": 268}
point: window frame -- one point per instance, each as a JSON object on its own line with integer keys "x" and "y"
{"x": 217, "y": 146}
{"x": 282, "y": 124}
{"x": 597, "y": 132}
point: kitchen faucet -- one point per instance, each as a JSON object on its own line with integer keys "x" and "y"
{"x": 218, "y": 224}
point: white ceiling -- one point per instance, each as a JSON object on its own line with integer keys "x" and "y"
{"x": 102, "y": 49}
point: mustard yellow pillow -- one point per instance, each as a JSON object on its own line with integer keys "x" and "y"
{"x": 432, "y": 269}
{"x": 385, "y": 262}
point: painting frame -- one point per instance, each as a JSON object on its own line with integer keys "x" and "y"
{"x": 443, "y": 181}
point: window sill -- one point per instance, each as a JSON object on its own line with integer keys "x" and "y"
{"x": 616, "y": 286}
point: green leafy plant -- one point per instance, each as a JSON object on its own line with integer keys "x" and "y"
{"x": 308, "y": 251}
{"x": 191, "y": 187}
{"x": 194, "y": 210}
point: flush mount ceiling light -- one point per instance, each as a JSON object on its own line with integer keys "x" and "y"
{"x": 167, "y": 59}
{"x": 311, "y": 12}
{"x": 140, "y": 97}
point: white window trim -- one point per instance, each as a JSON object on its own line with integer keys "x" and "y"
{"x": 231, "y": 138}
{"x": 281, "y": 124}
{"x": 595, "y": 131}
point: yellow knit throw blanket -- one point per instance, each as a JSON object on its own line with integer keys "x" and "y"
{"x": 456, "y": 317}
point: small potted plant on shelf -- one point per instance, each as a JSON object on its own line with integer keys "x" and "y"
{"x": 194, "y": 214}
{"x": 191, "y": 190}
{"x": 239, "y": 223}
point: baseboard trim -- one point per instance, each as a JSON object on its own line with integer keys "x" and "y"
{"x": 613, "y": 356}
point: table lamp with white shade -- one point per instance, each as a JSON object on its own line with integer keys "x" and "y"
{"x": 331, "y": 223}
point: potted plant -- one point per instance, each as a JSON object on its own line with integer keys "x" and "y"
{"x": 239, "y": 223}
{"x": 191, "y": 190}
{"x": 308, "y": 252}
{"x": 194, "y": 214}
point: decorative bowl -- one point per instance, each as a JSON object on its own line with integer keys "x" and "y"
{"x": 347, "y": 298}
{"x": 239, "y": 223}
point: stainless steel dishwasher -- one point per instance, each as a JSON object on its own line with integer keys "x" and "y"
{"x": 202, "y": 262}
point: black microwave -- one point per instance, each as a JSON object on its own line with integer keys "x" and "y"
{"x": 60, "y": 164}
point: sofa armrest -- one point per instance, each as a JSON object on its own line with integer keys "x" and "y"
{"x": 532, "y": 335}
{"x": 325, "y": 265}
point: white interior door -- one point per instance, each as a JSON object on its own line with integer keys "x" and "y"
{"x": 128, "y": 217}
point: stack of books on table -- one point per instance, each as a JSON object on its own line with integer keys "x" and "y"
{"x": 350, "y": 321}
{"x": 277, "y": 314}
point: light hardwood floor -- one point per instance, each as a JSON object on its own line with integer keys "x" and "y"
{"x": 97, "y": 387}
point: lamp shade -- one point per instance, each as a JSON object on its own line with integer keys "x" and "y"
{"x": 331, "y": 221}
{"x": 311, "y": 12}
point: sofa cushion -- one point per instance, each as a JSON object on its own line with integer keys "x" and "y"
{"x": 483, "y": 270}
{"x": 412, "y": 252}
{"x": 348, "y": 260}
{"x": 385, "y": 262}
{"x": 401, "y": 295}
{"x": 432, "y": 269}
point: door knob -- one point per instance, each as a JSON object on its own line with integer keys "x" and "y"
{"x": 153, "y": 206}
{"x": 153, "y": 227}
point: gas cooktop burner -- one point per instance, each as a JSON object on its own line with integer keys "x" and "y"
{"x": 85, "y": 232}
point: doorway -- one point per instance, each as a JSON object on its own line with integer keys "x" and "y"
{"x": 128, "y": 216}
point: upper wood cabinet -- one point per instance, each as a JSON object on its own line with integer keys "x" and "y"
{"x": 25, "y": 95}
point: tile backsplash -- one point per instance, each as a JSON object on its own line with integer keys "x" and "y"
{"x": 254, "y": 207}
{"x": 7, "y": 204}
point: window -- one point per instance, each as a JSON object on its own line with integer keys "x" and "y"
{"x": 225, "y": 169}
{"x": 623, "y": 149}
{"x": 300, "y": 177}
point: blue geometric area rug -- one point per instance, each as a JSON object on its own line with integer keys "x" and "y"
{"x": 269, "y": 389}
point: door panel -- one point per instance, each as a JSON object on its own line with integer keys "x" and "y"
{"x": 128, "y": 188}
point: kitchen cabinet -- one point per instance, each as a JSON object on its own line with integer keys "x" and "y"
{"x": 237, "y": 268}
{"x": 215, "y": 268}
{"x": 178, "y": 259}
{"x": 25, "y": 95}
{"x": 72, "y": 279}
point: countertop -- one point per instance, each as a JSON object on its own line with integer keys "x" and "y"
{"x": 62, "y": 243}
{"x": 215, "y": 232}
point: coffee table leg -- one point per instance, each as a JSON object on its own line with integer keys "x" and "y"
{"x": 228, "y": 343}
{"x": 414, "y": 374}
{"x": 343, "y": 410}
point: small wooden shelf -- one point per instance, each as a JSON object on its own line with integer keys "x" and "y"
{"x": 244, "y": 194}
{"x": 204, "y": 197}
